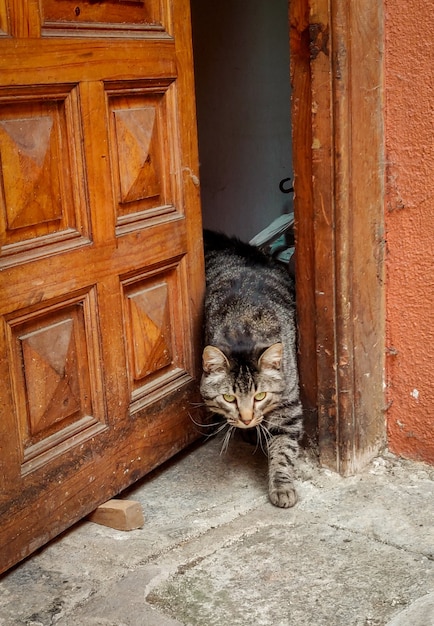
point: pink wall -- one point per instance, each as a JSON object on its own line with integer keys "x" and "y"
{"x": 409, "y": 90}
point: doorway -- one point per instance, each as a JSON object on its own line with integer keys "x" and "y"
{"x": 243, "y": 111}
{"x": 243, "y": 101}
{"x": 335, "y": 111}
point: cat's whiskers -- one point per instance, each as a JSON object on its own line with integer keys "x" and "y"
{"x": 221, "y": 426}
{"x": 215, "y": 432}
{"x": 259, "y": 439}
{"x": 226, "y": 439}
{"x": 203, "y": 425}
{"x": 267, "y": 436}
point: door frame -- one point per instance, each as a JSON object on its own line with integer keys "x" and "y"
{"x": 338, "y": 152}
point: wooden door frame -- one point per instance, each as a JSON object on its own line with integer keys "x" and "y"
{"x": 337, "y": 109}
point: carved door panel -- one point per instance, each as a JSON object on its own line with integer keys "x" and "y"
{"x": 101, "y": 273}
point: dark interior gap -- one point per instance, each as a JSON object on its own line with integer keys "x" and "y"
{"x": 241, "y": 52}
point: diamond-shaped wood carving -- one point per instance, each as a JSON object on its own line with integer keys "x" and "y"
{"x": 151, "y": 330}
{"x": 58, "y": 395}
{"x": 29, "y": 162}
{"x": 138, "y": 153}
{"x": 42, "y": 174}
{"x": 51, "y": 375}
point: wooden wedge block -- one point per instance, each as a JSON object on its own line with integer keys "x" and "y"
{"x": 119, "y": 514}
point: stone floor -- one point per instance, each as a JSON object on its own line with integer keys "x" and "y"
{"x": 214, "y": 552}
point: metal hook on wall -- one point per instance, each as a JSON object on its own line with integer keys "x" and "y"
{"x": 284, "y": 189}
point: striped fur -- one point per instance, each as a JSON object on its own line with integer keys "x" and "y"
{"x": 249, "y": 360}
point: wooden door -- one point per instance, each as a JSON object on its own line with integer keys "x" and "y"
{"x": 101, "y": 268}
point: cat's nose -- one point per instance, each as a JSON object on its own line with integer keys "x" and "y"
{"x": 246, "y": 416}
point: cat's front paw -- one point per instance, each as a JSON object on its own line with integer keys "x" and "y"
{"x": 284, "y": 496}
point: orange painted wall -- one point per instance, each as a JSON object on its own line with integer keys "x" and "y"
{"x": 409, "y": 127}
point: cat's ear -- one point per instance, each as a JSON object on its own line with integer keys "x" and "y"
{"x": 271, "y": 358}
{"x": 214, "y": 360}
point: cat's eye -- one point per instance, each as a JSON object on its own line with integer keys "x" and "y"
{"x": 229, "y": 397}
{"x": 260, "y": 396}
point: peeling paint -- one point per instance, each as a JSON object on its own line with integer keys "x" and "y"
{"x": 415, "y": 394}
{"x": 319, "y": 40}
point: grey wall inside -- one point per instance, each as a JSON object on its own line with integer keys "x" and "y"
{"x": 241, "y": 51}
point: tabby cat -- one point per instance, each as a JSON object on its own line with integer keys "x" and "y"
{"x": 249, "y": 361}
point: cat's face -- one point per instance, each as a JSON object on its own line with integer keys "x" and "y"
{"x": 242, "y": 394}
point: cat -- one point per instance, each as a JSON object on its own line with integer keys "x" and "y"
{"x": 249, "y": 360}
